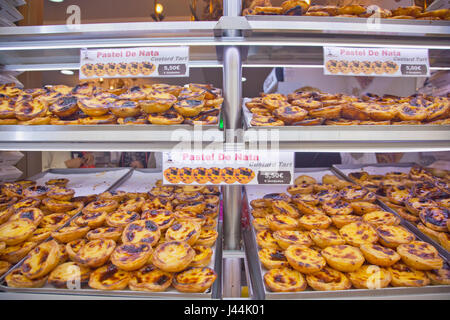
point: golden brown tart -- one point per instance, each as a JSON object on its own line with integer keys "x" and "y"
{"x": 121, "y": 218}
{"x": 286, "y": 238}
{"x": 194, "y": 279}
{"x": 404, "y": 276}
{"x": 4, "y": 267}
{"x": 272, "y": 258}
{"x": 69, "y": 273}
{"x": 440, "y": 276}
{"x": 370, "y": 277}
{"x": 420, "y": 255}
{"x": 207, "y": 237}
{"x": 304, "y": 259}
{"x": 41, "y": 260}
{"x": 357, "y": 233}
{"x": 92, "y": 219}
{"x": 113, "y": 233}
{"x": 326, "y": 237}
{"x": 435, "y": 218}
{"x": 54, "y": 220}
{"x": 314, "y": 221}
{"x": 16, "y": 231}
{"x": 379, "y": 255}
{"x": 344, "y": 258}
{"x": 173, "y": 256}
{"x": 342, "y": 220}
{"x": 16, "y": 279}
{"x": 34, "y": 215}
{"x": 202, "y": 257}
{"x": 93, "y": 253}
{"x": 328, "y": 279}
{"x": 162, "y": 218}
{"x": 265, "y": 239}
{"x": 101, "y": 206}
{"x": 70, "y": 233}
{"x": 141, "y": 231}
{"x": 378, "y": 218}
{"x": 131, "y": 256}
{"x": 149, "y": 278}
{"x": 15, "y": 253}
{"x": 109, "y": 277}
{"x": 281, "y": 222}
{"x": 186, "y": 231}
{"x": 284, "y": 280}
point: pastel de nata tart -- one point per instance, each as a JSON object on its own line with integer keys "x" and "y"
{"x": 173, "y": 256}
{"x": 40, "y": 234}
{"x": 420, "y": 255}
{"x": 363, "y": 207}
{"x": 121, "y": 218}
{"x": 435, "y": 218}
{"x": 203, "y": 255}
{"x": 328, "y": 279}
{"x": 162, "y": 218}
{"x": 188, "y": 216}
{"x": 377, "y": 218}
{"x": 357, "y": 233}
{"x": 343, "y": 257}
{"x": 61, "y": 193}
{"x": 304, "y": 259}
{"x": 16, "y": 279}
{"x": 63, "y": 255}
{"x": 265, "y": 239}
{"x": 73, "y": 247}
{"x": 131, "y": 256}
{"x": 58, "y": 205}
{"x": 272, "y": 258}
{"x": 41, "y": 260}
{"x": 444, "y": 240}
{"x": 325, "y": 237}
{"x": 101, "y": 206}
{"x": 405, "y": 276}
{"x": 34, "y": 215}
{"x": 338, "y": 207}
{"x": 16, "y": 231}
{"x": 284, "y": 280}
{"x": 286, "y": 238}
{"x": 109, "y": 277}
{"x": 150, "y": 278}
{"x": 141, "y": 231}
{"x": 15, "y": 253}
{"x": 207, "y": 237}
{"x": 194, "y": 279}
{"x": 281, "y": 222}
{"x": 328, "y": 196}
{"x": 69, "y": 273}
{"x": 5, "y": 214}
{"x": 393, "y": 236}
{"x": 91, "y": 219}
{"x": 39, "y": 192}
{"x": 379, "y": 255}
{"x": 304, "y": 188}
{"x": 113, "y": 233}
{"x": 440, "y": 276}
{"x": 186, "y": 231}
{"x": 307, "y": 207}
{"x": 281, "y": 207}
{"x": 94, "y": 253}
{"x": 370, "y": 277}
{"x": 314, "y": 221}
{"x": 70, "y": 233}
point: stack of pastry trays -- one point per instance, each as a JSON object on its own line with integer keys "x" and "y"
{"x": 314, "y": 108}
{"x": 110, "y": 241}
{"x": 418, "y": 197}
{"x": 300, "y": 7}
{"x": 332, "y": 236}
{"x": 88, "y": 104}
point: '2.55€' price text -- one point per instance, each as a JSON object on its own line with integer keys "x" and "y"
{"x": 227, "y": 311}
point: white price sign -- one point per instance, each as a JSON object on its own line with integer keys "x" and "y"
{"x": 134, "y": 62}
{"x": 382, "y": 62}
{"x": 228, "y": 167}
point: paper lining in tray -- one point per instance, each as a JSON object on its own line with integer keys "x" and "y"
{"x": 257, "y": 192}
{"x": 86, "y": 183}
{"x": 140, "y": 181}
{"x": 377, "y": 170}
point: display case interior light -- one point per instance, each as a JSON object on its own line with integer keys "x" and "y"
{"x": 67, "y": 72}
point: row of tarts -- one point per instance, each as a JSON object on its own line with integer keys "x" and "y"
{"x": 90, "y": 104}
{"x": 115, "y": 240}
{"x": 332, "y": 235}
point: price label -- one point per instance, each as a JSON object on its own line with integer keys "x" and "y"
{"x": 414, "y": 69}
{"x": 274, "y": 177}
{"x": 134, "y": 62}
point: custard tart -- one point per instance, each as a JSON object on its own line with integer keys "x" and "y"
{"x": 109, "y": 277}
{"x": 363, "y": 207}
{"x": 286, "y": 238}
{"x": 141, "y": 231}
{"x": 131, "y": 256}
{"x": 69, "y": 273}
{"x": 16, "y": 231}
{"x": 357, "y": 233}
{"x": 194, "y": 279}
{"x": 173, "y": 256}
{"x": 304, "y": 259}
{"x": 281, "y": 222}
{"x": 379, "y": 255}
{"x": 34, "y": 215}
{"x": 440, "y": 276}
{"x": 40, "y": 234}
{"x": 393, "y": 236}
{"x": 272, "y": 258}
{"x": 420, "y": 255}
{"x": 91, "y": 219}
{"x": 101, "y": 206}
{"x": 15, "y": 253}
{"x": 94, "y": 253}
{"x": 39, "y": 192}
{"x": 435, "y": 218}
{"x": 344, "y": 258}
{"x": 113, "y": 233}
{"x": 378, "y": 218}
{"x": 58, "y": 205}
{"x": 70, "y": 233}
{"x": 314, "y": 221}
{"x": 16, "y": 279}
{"x": 307, "y": 208}
{"x": 284, "y": 280}
{"x": 207, "y": 237}
{"x": 151, "y": 279}
{"x": 404, "y": 276}
{"x": 121, "y": 218}
{"x": 162, "y": 218}
{"x": 41, "y": 260}
{"x": 203, "y": 255}
{"x": 73, "y": 247}
{"x": 370, "y": 277}
{"x": 338, "y": 207}
{"x": 328, "y": 279}
{"x": 265, "y": 239}
{"x": 326, "y": 237}
{"x": 185, "y": 231}
{"x": 4, "y": 267}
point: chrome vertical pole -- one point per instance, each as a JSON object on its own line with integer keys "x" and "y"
{"x": 232, "y": 195}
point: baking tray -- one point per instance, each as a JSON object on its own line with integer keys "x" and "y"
{"x": 257, "y": 270}
{"x": 40, "y": 179}
{"x": 383, "y": 168}
{"x": 171, "y": 293}
{"x": 85, "y": 181}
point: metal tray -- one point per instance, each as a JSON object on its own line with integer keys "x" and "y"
{"x": 171, "y": 293}
{"x": 257, "y": 270}
{"x": 341, "y": 171}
